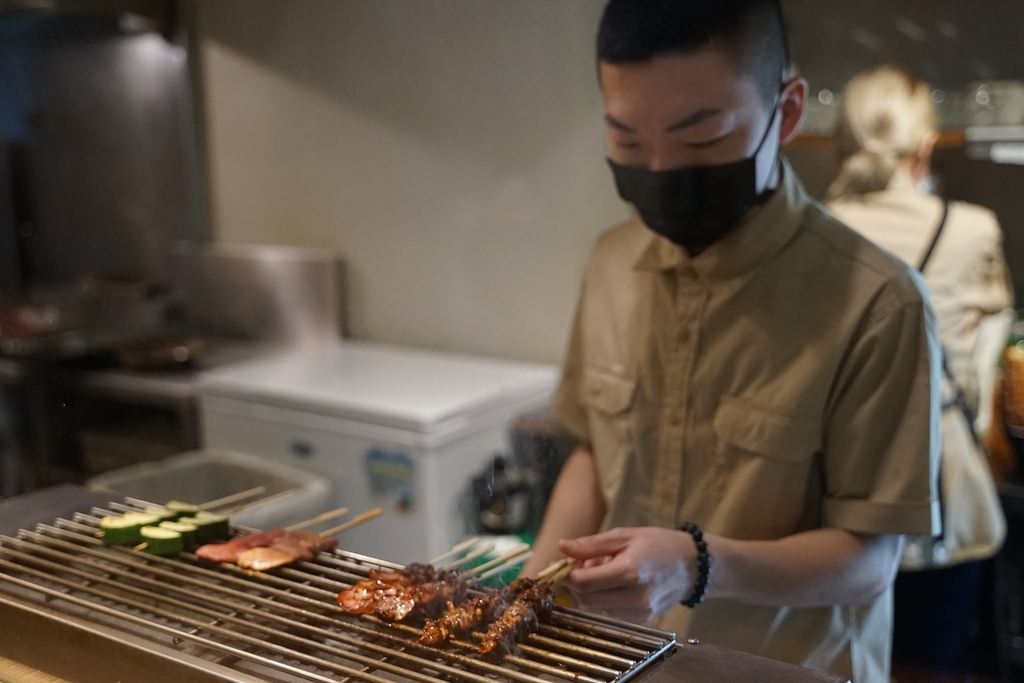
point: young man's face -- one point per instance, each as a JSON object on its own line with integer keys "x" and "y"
{"x": 693, "y": 109}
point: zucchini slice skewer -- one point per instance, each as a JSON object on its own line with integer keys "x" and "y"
{"x": 125, "y": 529}
{"x": 160, "y": 541}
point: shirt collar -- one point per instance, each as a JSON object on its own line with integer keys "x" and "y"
{"x": 763, "y": 232}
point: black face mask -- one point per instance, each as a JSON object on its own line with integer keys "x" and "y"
{"x": 694, "y": 206}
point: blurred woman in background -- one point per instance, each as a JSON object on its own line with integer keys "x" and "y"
{"x": 887, "y": 131}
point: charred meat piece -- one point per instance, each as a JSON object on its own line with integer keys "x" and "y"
{"x": 417, "y": 591}
{"x": 447, "y": 587}
{"x": 385, "y": 593}
{"x": 533, "y": 601}
{"x": 462, "y": 618}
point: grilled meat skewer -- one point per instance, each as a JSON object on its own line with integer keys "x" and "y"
{"x": 419, "y": 590}
{"x": 291, "y": 547}
{"x": 229, "y": 552}
{"x": 462, "y": 618}
{"x": 533, "y": 601}
{"x": 441, "y": 598}
{"x": 266, "y": 549}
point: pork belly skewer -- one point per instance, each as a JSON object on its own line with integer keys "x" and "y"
{"x": 299, "y": 545}
{"x": 229, "y": 551}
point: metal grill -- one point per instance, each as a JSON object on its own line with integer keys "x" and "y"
{"x": 286, "y": 625}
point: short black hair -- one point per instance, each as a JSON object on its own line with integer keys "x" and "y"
{"x": 755, "y": 30}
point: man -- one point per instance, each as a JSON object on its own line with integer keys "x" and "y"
{"x": 751, "y": 382}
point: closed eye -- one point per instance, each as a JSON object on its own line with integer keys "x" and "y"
{"x": 708, "y": 143}
{"x": 628, "y": 145}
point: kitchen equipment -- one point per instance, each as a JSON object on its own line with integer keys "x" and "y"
{"x": 540, "y": 448}
{"x": 400, "y": 428}
{"x": 160, "y": 354}
{"x": 116, "y": 609}
{"x": 269, "y": 293}
{"x": 499, "y": 499}
{"x": 290, "y": 494}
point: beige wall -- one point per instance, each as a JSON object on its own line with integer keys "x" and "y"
{"x": 449, "y": 150}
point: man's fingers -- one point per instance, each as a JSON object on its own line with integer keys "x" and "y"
{"x": 589, "y": 547}
{"x": 616, "y": 573}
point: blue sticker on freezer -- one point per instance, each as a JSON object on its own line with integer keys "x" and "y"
{"x": 392, "y": 477}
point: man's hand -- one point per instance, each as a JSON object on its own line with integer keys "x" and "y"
{"x": 634, "y": 574}
{"x": 639, "y": 574}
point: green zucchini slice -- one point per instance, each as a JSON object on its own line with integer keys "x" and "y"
{"x": 161, "y": 541}
{"x": 189, "y": 532}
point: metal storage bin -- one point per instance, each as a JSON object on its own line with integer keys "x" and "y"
{"x": 197, "y": 476}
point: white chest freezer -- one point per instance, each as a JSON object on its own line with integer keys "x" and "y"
{"x": 400, "y": 428}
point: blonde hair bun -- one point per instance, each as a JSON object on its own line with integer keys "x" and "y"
{"x": 886, "y": 115}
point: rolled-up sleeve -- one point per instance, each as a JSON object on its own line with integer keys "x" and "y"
{"x": 881, "y": 449}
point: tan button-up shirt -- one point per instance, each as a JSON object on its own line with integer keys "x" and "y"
{"x": 780, "y": 381}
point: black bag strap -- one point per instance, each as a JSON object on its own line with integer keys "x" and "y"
{"x": 936, "y": 237}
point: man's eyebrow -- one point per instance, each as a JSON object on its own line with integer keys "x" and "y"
{"x": 618, "y": 125}
{"x": 693, "y": 119}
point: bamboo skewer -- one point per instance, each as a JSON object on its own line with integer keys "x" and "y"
{"x": 455, "y": 551}
{"x": 354, "y": 522}
{"x": 502, "y": 559}
{"x": 323, "y": 517}
{"x": 477, "y": 553}
{"x": 505, "y": 566}
{"x": 557, "y": 571}
{"x": 233, "y": 498}
{"x": 261, "y": 501}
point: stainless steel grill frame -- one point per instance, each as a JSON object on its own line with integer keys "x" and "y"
{"x": 285, "y": 625}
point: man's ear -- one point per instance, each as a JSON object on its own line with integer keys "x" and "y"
{"x": 794, "y": 104}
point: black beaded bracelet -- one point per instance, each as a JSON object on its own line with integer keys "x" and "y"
{"x": 700, "y": 586}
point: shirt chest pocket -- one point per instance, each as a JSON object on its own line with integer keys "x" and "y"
{"x": 609, "y": 398}
{"x": 766, "y": 477}
{"x": 741, "y": 423}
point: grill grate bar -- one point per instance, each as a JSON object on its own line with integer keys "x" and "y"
{"x": 614, "y": 631}
{"x": 237, "y": 609}
{"x": 230, "y": 635}
{"x": 291, "y": 614}
{"x": 536, "y": 652}
{"x": 206, "y": 642}
{"x": 128, "y": 557}
{"x": 271, "y": 604}
{"x": 534, "y": 638}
